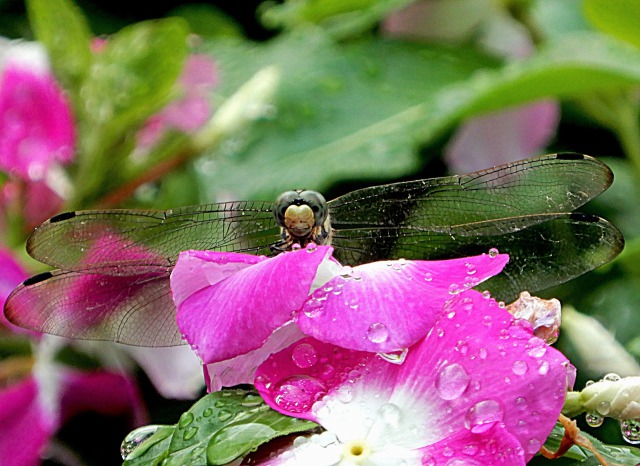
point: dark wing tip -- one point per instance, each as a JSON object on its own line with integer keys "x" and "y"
{"x": 571, "y": 156}
{"x": 37, "y": 278}
{"x": 62, "y": 217}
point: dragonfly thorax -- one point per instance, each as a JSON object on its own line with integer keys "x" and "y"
{"x": 303, "y": 216}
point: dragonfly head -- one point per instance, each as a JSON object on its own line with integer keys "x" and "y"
{"x": 300, "y": 211}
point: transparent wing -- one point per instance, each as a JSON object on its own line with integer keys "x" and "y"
{"x": 131, "y": 242}
{"x": 134, "y": 310}
{"x": 545, "y": 250}
{"x": 548, "y": 184}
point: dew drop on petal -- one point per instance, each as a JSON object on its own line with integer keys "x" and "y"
{"x": 486, "y": 294}
{"x": 483, "y": 415}
{"x": 533, "y": 446}
{"x": 313, "y": 308}
{"x": 454, "y": 288}
{"x": 493, "y": 252}
{"x": 390, "y": 413}
{"x": 311, "y": 247}
{"x": 190, "y": 433}
{"x": 135, "y": 439}
{"x": 604, "y": 407}
{"x": 344, "y": 394}
{"x": 297, "y": 393}
{"x": 519, "y": 367}
{"x": 593, "y": 419}
{"x": 377, "y": 333}
{"x": 471, "y": 268}
{"x": 452, "y": 381}
{"x": 482, "y": 353}
{"x": 611, "y": 377}
{"x": 304, "y": 355}
{"x": 428, "y": 276}
{"x": 630, "y": 429}
{"x": 543, "y": 369}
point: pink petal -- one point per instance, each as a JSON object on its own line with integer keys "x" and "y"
{"x": 502, "y": 137}
{"x": 242, "y": 369}
{"x": 101, "y": 392}
{"x": 495, "y": 446}
{"x": 479, "y": 372}
{"x": 388, "y": 306}
{"x": 196, "y": 270}
{"x": 24, "y": 429}
{"x": 237, "y": 315}
{"x": 36, "y": 120}
{"x": 480, "y": 367}
{"x": 294, "y": 379}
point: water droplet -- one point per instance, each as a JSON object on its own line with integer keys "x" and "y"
{"x": 519, "y": 367}
{"x": 207, "y": 412}
{"x": 251, "y": 400}
{"x": 482, "y": 353}
{"x": 452, "y": 381}
{"x": 493, "y": 252}
{"x": 487, "y": 321}
{"x": 390, "y": 414}
{"x": 190, "y": 433}
{"x": 377, "y": 333}
{"x": 135, "y": 439}
{"x": 486, "y": 294}
{"x": 185, "y": 420}
{"x": 344, "y": 394}
{"x": 397, "y": 357}
{"x": 428, "y": 276}
{"x": 611, "y": 377}
{"x": 537, "y": 351}
{"x": 630, "y": 429}
{"x": 304, "y": 355}
{"x": 313, "y": 308}
{"x": 533, "y": 446}
{"x": 594, "y": 419}
{"x": 543, "y": 369}
{"x": 471, "y": 268}
{"x": 311, "y": 247}
{"x": 297, "y": 393}
{"x": 483, "y": 415}
{"x": 454, "y": 288}
{"x": 224, "y": 415}
{"x": 296, "y": 246}
{"x": 467, "y": 304}
{"x": 604, "y": 407}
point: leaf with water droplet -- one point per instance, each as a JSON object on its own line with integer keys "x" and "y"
{"x": 613, "y": 454}
{"x": 219, "y": 428}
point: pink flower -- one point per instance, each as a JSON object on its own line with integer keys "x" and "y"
{"x": 37, "y": 125}
{"x": 480, "y": 389}
{"x": 192, "y": 109}
{"x": 32, "y": 410}
{"x": 241, "y": 306}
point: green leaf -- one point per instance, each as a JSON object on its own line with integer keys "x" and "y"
{"x": 623, "y": 455}
{"x": 620, "y": 18}
{"x": 217, "y": 429}
{"x": 207, "y": 21}
{"x": 353, "y": 110}
{"x": 153, "y": 450}
{"x": 62, "y": 28}
{"x": 339, "y": 18}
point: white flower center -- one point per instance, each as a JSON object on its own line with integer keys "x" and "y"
{"x": 356, "y": 451}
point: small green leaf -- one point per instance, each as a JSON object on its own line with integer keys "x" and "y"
{"x": 217, "y": 429}
{"x": 153, "y": 450}
{"x": 63, "y": 29}
{"x": 620, "y": 18}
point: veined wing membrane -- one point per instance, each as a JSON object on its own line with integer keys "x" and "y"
{"x": 544, "y": 250}
{"x": 130, "y": 242}
{"x": 136, "y": 310}
{"x": 549, "y": 184}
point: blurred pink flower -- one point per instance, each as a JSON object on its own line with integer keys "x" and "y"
{"x": 28, "y": 420}
{"x": 189, "y": 111}
{"x": 36, "y": 120}
{"x": 478, "y": 390}
{"x": 499, "y": 137}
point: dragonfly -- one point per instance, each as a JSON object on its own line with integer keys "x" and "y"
{"x": 111, "y": 280}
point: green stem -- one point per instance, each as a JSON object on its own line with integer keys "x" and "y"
{"x": 572, "y": 405}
